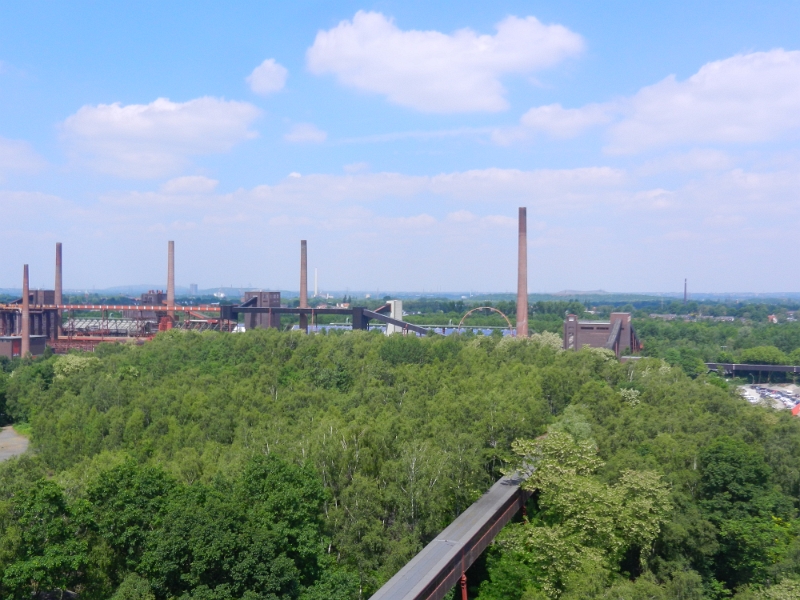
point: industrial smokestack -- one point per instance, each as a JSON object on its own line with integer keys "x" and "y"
{"x": 25, "y": 350}
{"x": 522, "y": 275}
{"x": 58, "y": 296}
{"x": 171, "y": 277}
{"x": 303, "y": 283}
{"x": 685, "y": 291}
{"x": 316, "y": 288}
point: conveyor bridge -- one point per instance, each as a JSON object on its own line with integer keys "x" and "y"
{"x": 443, "y": 563}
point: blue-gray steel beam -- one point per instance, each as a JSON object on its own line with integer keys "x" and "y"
{"x": 437, "y": 568}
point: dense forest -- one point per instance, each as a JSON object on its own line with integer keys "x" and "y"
{"x": 691, "y": 344}
{"x": 278, "y": 465}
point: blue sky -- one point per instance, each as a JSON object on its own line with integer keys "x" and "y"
{"x": 650, "y": 142}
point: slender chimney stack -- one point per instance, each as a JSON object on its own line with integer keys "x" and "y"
{"x": 171, "y": 278}
{"x": 522, "y": 275}
{"x": 685, "y": 291}
{"x": 58, "y": 288}
{"x": 316, "y": 289}
{"x": 303, "y": 283}
{"x": 26, "y": 315}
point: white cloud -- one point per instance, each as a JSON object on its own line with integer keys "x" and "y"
{"x": 562, "y": 122}
{"x": 544, "y": 189}
{"x": 190, "y": 184}
{"x": 433, "y": 71}
{"x": 743, "y": 99}
{"x": 748, "y": 98}
{"x": 359, "y": 167}
{"x": 461, "y": 216}
{"x": 555, "y": 121}
{"x": 466, "y": 219}
{"x": 17, "y": 155}
{"x": 150, "y": 140}
{"x": 697, "y": 159}
{"x": 267, "y": 78}
{"x": 306, "y": 133}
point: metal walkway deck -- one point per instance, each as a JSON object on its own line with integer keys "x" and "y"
{"x": 438, "y": 567}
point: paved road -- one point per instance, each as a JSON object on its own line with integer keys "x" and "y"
{"x": 11, "y": 443}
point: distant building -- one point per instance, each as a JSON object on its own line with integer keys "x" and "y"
{"x": 772, "y": 319}
{"x": 262, "y": 300}
{"x": 11, "y": 346}
{"x": 149, "y": 298}
{"x": 193, "y": 289}
{"x": 38, "y": 298}
{"x": 616, "y": 334}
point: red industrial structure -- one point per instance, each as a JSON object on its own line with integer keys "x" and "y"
{"x": 35, "y": 319}
{"x": 39, "y": 315}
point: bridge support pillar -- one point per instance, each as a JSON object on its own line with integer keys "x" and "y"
{"x": 359, "y": 320}
{"x": 396, "y": 312}
{"x": 463, "y": 585}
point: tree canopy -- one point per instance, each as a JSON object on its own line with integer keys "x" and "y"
{"x": 280, "y": 465}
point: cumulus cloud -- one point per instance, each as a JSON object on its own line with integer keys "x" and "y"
{"x": 697, "y": 159}
{"x": 18, "y": 156}
{"x": 306, "y": 133}
{"x": 555, "y": 121}
{"x": 190, "y": 184}
{"x": 150, "y": 140}
{"x": 437, "y": 72}
{"x": 743, "y": 99}
{"x": 267, "y": 78}
{"x": 466, "y": 218}
{"x": 747, "y": 98}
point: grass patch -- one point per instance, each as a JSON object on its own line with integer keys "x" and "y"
{"x": 23, "y": 429}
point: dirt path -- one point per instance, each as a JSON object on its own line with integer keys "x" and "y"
{"x": 11, "y": 443}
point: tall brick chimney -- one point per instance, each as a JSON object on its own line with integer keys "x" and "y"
{"x": 171, "y": 277}
{"x": 522, "y": 275}
{"x": 25, "y": 350}
{"x": 59, "y": 298}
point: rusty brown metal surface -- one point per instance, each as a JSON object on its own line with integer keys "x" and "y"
{"x": 142, "y": 307}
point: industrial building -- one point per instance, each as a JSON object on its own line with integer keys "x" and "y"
{"x": 616, "y": 334}
{"x": 11, "y": 346}
{"x": 262, "y": 300}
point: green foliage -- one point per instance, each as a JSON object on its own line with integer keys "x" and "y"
{"x": 271, "y": 464}
{"x": 687, "y": 343}
{"x": 581, "y": 524}
{"x": 728, "y": 520}
{"x": 403, "y": 432}
{"x": 134, "y": 587}
{"x": 763, "y": 355}
{"x": 255, "y": 535}
{"x": 43, "y": 542}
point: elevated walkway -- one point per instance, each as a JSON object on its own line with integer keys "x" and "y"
{"x": 442, "y": 563}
